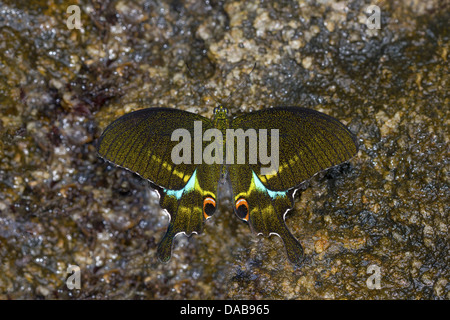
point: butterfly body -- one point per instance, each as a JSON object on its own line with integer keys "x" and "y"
{"x": 221, "y": 122}
{"x": 303, "y": 142}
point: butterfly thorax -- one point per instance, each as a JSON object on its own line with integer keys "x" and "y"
{"x": 220, "y": 118}
{"x": 221, "y": 121}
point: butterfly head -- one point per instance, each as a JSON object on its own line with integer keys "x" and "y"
{"x": 220, "y": 112}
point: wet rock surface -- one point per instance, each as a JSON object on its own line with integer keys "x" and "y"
{"x": 60, "y": 205}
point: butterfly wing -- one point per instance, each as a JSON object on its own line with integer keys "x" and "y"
{"x": 307, "y": 143}
{"x": 263, "y": 208}
{"x": 141, "y": 141}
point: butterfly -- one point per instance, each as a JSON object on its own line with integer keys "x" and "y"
{"x": 154, "y": 143}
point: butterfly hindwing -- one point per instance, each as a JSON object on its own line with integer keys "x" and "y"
{"x": 141, "y": 142}
{"x": 262, "y": 208}
{"x": 187, "y": 207}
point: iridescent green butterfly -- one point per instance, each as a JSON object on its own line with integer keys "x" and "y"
{"x": 186, "y": 174}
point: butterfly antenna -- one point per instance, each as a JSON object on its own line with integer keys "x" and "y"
{"x": 203, "y": 84}
{"x": 241, "y": 84}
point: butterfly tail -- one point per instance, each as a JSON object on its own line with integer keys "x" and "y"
{"x": 293, "y": 247}
{"x": 276, "y": 225}
{"x": 164, "y": 251}
{"x": 267, "y": 218}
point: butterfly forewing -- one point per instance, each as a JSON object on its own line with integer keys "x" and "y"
{"x": 309, "y": 141}
{"x": 141, "y": 142}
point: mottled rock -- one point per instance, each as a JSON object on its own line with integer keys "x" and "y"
{"x": 60, "y": 205}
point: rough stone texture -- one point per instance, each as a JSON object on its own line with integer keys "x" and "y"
{"x": 60, "y": 205}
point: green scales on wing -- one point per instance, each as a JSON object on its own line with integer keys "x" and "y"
{"x": 308, "y": 142}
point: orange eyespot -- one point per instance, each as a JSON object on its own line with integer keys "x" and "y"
{"x": 209, "y": 206}
{"x": 242, "y": 210}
